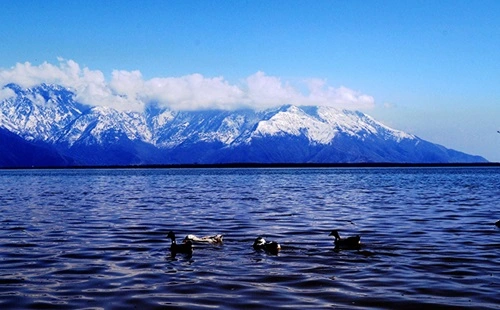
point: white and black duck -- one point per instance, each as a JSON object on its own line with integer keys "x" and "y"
{"x": 349, "y": 243}
{"x": 272, "y": 247}
{"x": 215, "y": 239}
{"x": 184, "y": 248}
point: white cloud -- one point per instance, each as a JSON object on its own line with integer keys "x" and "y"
{"x": 322, "y": 94}
{"x": 264, "y": 91}
{"x": 193, "y": 92}
{"x": 6, "y": 93}
{"x": 128, "y": 90}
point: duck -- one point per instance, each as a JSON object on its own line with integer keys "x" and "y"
{"x": 498, "y": 223}
{"x": 216, "y": 239}
{"x": 346, "y": 243}
{"x": 185, "y": 248}
{"x": 271, "y": 247}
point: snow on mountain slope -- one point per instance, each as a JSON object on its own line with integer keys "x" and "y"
{"x": 204, "y": 126}
{"x": 296, "y": 122}
{"x": 103, "y": 125}
{"x": 322, "y": 124}
{"x": 355, "y": 123}
{"x": 39, "y": 113}
{"x": 49, "y": 114}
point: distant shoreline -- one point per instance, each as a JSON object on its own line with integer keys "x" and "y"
{"x": 263, "y": 165}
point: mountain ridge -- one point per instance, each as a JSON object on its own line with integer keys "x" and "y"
{"x": 97, "y": 135}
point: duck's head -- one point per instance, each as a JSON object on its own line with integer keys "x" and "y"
{"x": 217, "y": 238}
{"x": 335, "y": 233}
{"x": 171, "y": 235}
{"x": 260, "y": 241}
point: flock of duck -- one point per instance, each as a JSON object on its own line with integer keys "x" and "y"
{"x": 260, "y": 244}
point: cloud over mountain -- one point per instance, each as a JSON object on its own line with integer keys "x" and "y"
{"x": 128, "y": 90}
{"x": 47, "y": 121}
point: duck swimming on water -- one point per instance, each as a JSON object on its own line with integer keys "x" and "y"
{"x": 216, "y": 239}
{"x": 185, "y": 248}
{"x": 272, "y": 247}
{"x": 346, "y": 243}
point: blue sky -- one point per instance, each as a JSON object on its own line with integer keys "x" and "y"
{"x": 430, "y": 68}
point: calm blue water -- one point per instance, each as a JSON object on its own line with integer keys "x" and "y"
{"x": 97, "y": 238}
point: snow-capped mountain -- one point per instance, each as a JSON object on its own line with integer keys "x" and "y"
{"x": 39, "y": 113}
{"x": 48, "y": 119}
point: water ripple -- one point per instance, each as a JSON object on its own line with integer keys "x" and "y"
{"x": 97, "y": 238}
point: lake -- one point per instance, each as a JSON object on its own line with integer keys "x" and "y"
{"x": 97, "y": 238}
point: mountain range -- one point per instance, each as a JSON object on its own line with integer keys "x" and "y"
{"x": 45, "y": 126}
